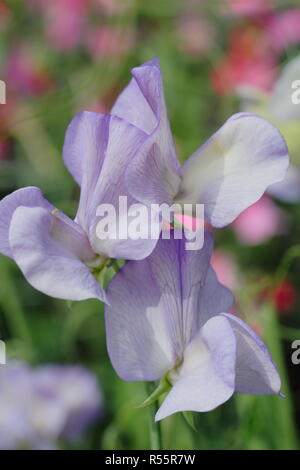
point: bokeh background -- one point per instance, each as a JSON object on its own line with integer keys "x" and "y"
{"x": 218, "y": 57}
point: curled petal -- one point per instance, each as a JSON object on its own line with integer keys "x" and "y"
{"x": 152, "y": 177}
{"x": 140, "y": 101}
{"x": 51, "y": 253}
{"x": 234, "y": 167}
{"x": 206, "y": 378}
{"x": 156, "y": 306}
{"x": 29, "y": 197}
{"x": 84, "y": 145}
{"x": 288, "y": 190}
{"x": 256, "y": 373}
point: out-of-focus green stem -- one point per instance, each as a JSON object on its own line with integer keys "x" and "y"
{"x": 288, "y": 258}
{"x": 154, "y": 427}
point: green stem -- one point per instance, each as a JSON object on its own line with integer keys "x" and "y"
{"x": 154, "y": 427}
{"x": 12, "y": 308}
{"x": 291, "y": 254}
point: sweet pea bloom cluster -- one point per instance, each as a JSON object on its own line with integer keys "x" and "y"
{"x": 166, "y": 314}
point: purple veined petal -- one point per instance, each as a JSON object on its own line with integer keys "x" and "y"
{"x": 206, "y": 377}
{"x": 154, "y": 171}
{"x": 234, "y": 167}
{"x": 52, "y": 253}
{"x": 84, "y": 145}
{"x": 98, "y": 148}
{"x": 137, "y": 325}
{"x": 140, "y": 100}
{"x": 214, "y": 298}
{"x": 287, "y": 190}
{"x": 154, "y": 309}
{"x": 106, "y": 185}
{"x": 256, "y": 373}
{"x": 149, "y": 178}
{"x": 30, "y": 197}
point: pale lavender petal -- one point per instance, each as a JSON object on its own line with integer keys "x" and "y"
{"x": 52, "y": 254}
{"x": 206, "y": 377}
{"x": 139, "y": 102}
{"x": 149, "y": 178}
{"x": 214, "y": 298}
{"x": 29, "y": 197}
{"x": 122, "y": 142}
{"x": 137, "y": 325}
{"x": 97, "y": 151}
{"x": 234, "y": 167}
{"x": 256, "y": 373}
{"x": 154, "y": 171}
{"x": 281, "y": 105}
{"x": 84, "y": 145}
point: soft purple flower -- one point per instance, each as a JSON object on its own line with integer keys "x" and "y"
{"x": 72, "y": 389}
{"x": 167, "y": 319}
{"x": 40, "y": 406}
{"x": 227, "y": 174}
{"x": 130, "y": 152}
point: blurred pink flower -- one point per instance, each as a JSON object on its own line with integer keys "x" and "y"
{"x": 232, "y": 74}
{"x": 24, "y": 74}
{"x": 259, "y": 222}
{"x": 109, "y": 42}
{"x": 65, "y": 21}
{"x": 225, "y": 268}
{"x": 250, "y": 60}
{"x": 196, "y": 35}
{"x": 248, "y": 7}
{"x": 284, "y": 29}
{"x": 254, "y": 51}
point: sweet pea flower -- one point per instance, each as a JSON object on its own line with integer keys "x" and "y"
{"x": 168, "y": 319}
{"x": 56, "y": 254}
{"x": 227, "y": 173}
{"x": 131, "y": 152}
{"x": 249, "y": 61}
